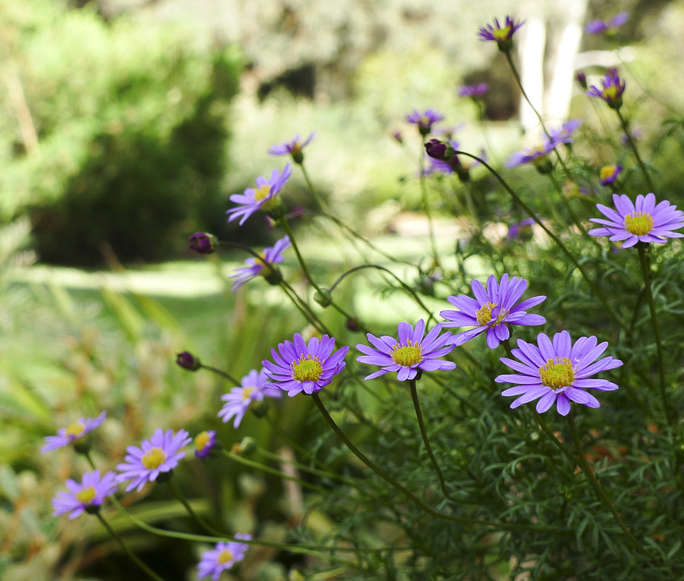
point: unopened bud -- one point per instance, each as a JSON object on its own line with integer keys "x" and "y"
{"x": 202, "y": 242}
{"x": 323, "y": 297}
{"x": 188, "y": 361}
{"x": 353, "y": 324}
{"x": 581, "y": 79}
{"x": 436, "y": 149}
{"x": 247, "y": 446}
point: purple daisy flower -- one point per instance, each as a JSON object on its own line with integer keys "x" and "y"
{"x": 564, "y": 134}
{"x": 72, "y": 432}
{"x": 492, "y": 310}
{"x": 222, "y": 558}
{"x": 538, "y": 155}
{"x": 502, "y": 35}
{"x": 609, "y": 173}
{"x": 204, "y": 443}
{"x": 300, "y": 367}
{"x": 293, "y": 147}
{"x": 557, "y": 372}
{"x": 87, "y": 495}
{"x": 643, "y": 221}
{"x": 410, "y": 354}
{"x": 264, "y": 265}
{"x": 473, "y": 90}
{"x": 253, "y": 199}
{"x": 599, "y": 26}
{"x": 612, "y": 89}
{"x": 255, "y": 386}
{"x": 424, "y": 121}
{"x": 158, "y": 454}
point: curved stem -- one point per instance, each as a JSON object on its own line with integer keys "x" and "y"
{"x": 426, "y": 206}
{"x": 568, "y": 206}
{"x": 220, "y": 372}
{"x": 314, "y": 193}
{"x": 555, "y": 238}
{"x": 598, "y": 489}
{"x": 305, "y": 468}
{"x": 630, "y": 140}
{"x": 144, "y": 568}
{"x": 303, "y": 307}
{"x": 646, "y": 271}
{"x": 423, "y": 433}
{"x": 286, "y": 226}
{"x": 181, "y": 498}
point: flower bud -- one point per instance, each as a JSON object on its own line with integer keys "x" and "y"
{"x": 353, "y": 324}
{"x": 202, "y": 242}
{"x": 323, "y": 297}
{"x": 247, "y": 446}
{"x": 188, "y": 361}
{"x": 436, "y": 149}
{"x": 581, "y": 79}
{"x": 396, "y": 135}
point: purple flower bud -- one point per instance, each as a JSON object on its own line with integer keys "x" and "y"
{"x": 581, "y": 79}
{"x": 202, "y": 242}
{"x": 188, "y": 361}
{"x": 396, "y": 135}
{"x": 436, "y": 149}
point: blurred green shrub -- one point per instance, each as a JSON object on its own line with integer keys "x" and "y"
{"x": 130, "y": 124}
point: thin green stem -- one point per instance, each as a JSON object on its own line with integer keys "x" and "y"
{"x": 220, "y": 372}
{"x": 426, "y": 441}
{"x": 426, "y": 206}
{"x": 173, "y": 487}
{"x": 309, "y": 469}
{"x": 644, "y": 259}
{"x": 552, "y": 437}
{"x": 568, "y": 206}
{"x": 314, "y": 193}
{"x": 286, "y": 226}
{"x": 303, "y": 307}
{"x": 555, "y": 238}
{"x": 144, "y": 568}
{"x": 596, "y": 485}
{"x": 273, "y": 471}
{"x": 635, "y": 150}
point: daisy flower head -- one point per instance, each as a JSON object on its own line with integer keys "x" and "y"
{"x": 408, "y": 355}
{"x": 639, "y": 221}
{"x": 222, "y": 557}
{"x": 521, "y": 230}
{"x": 160, "y": 454}
{"x": 608, "y": 26}
{"x": 564, "y": 134}
{"x": 263, "y": 196}
{"x": 292, "y": 148}
{"x": 204, "y": 443}
{"x": 304, "y": 367}
{"x": 473, "y": 91}
{"x": 612, "y": 88}
{"x": 492, "y": 310}
{"x": 425, "y": 120}
{"x": 609, "y": 173}
{"x": 557, "y": 371}
{"x": 255, "y": 387}
{"x": 501, "y": 34}
{"x": 85, "y": 496}
{"x": 537, "y": 155}
{"x": 263, "y": 265}
{"x": 72, "y": 432}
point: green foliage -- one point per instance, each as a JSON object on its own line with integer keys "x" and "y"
{"x": 131, "y": 134}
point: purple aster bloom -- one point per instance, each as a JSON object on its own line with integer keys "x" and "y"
{"x": 612, "y": 89}
{"x": 557, "y": 372}
{"x": 599, "y": 26}
{"x": 409, "y": 355}
{"x": 643, "y": 221}
{"x": 204, "y": 443}
{"x": 519, "y": 229}
{"x": 502, "y": 35}
{"x": 222, "y": 558}
{"x": 264, "y": 265}
{"x": 253, "y": 199}
{"x": 473, "y": 90}
{"x": 492, "y": 310}
{"x": 255, "y": 386}
{"x": 293, "y": 147}
{"x": 86, "y": 495}
{"x": 72, "y": 432}
{"x": 158, "y": 454}
{"x": 609, "y": 173}
{"x": 300, "y": 367}
{"x": 564, "y": 134}
{"x": 424, "y": 121}
{"x": 538, "y": 155}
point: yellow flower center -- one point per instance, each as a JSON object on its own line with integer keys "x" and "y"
{"x": 86, "y": 495}
{"x": 638, "y": 223}
{"x": 247, "y": 392}
{"x": 610, "y": 93}
{"x": 607, "y": 171}
{"x": 407, "y": 355}
{"x": 153, "y": 459}
{"x": 201, "y": 440}
{"x": 262, "y": 193}
{"x": 557, "y": 373}
{"x": 224, "y": 556}
{"x": 75, "y": 429}
{"x": 261, "y": 261}
{"x": 307, "y": 369}
{"x": 501, "y": 33}
{"x": 484, "y": 313}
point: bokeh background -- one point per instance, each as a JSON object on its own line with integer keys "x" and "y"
{"x": 124, "y": 127}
